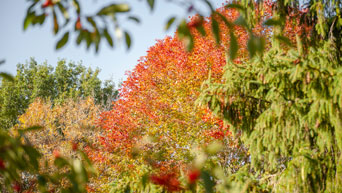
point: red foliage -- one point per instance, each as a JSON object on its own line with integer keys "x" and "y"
{"x": 168, "y": 181}
{"x": 168, "y": 79}
{"x": 193, "y": 176}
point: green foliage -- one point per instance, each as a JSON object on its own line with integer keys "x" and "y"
{"x": 65, "y": 81}
{"x": 288, "y": 108}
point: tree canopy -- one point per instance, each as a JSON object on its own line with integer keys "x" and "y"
{"x": 66, "y": 80}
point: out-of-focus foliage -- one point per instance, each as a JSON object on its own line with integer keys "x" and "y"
{"x": 66, "y": 127}
{"x": 106, "y": 23}
{"x": 57, "y": 85}
{"x": 20, "y": 168}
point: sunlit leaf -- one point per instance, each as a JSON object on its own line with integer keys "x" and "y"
{"x": 28, "y": 19}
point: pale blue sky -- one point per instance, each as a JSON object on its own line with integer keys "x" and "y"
{"x": 18, "y": 46}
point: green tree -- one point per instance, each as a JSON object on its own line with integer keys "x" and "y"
{"x": 67, "y": 80}
{"x": 286, "y": 104}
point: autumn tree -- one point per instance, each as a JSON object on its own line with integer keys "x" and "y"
{"x": 155, "y": 124}
{"x": 66, "y": 128}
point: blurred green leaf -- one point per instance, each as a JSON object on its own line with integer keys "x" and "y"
{"x": 88, "y": 38}
{"x": 251, "y": 47}
{"x": 201, "y": 30}
{"x": 61, "y": 162}
{"x": 273, "y": 22}
{"x": 208, "y": 182}
{"x": 76, "y": 4}
{"x": 170, "y": 21}
{"x": 151, "y": 4}
{"x": 32, "y": 128}
{"x": 41, "y": 180}
{"x": 80, "y": 37}
{"x": 135, "y": 19}
{"x": 215, "y": 29}
{"x": 128, "y": 40}
{"x": 39, "y": 19}
{"x": 185, "y": 35}
{"x": 224, "y": 19}
{"x": 114, "y": 8}
{"x": 284, "y": 40}
{"x": 28, "y": 19}
{"x": 63, "y": 10}
{"x": 234, "y": 46}
{"x": 33, "y": 155}
{"x": 254, "y": 45}
{"x": 7, "y": 76}
{"x": 209, "y": 5}
{"x": 92, "y": 22}
{"x": 108, "y": 37}
{"x": 62, "y": 41}
{"x": 241, "y": 21}
{"x": 55, "y": 22}
{"x": 235, "y": 6}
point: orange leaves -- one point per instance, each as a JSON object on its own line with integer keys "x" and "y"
{"x": 158, "y": 99}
